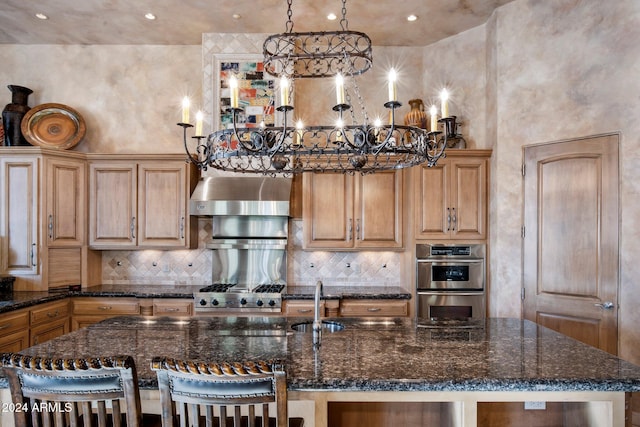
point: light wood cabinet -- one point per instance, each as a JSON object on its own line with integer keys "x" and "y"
{"x": 172, "y": 307}
{"x": 14, "y": 331}
{"x": 344, "y": 212}
{"x": 89, "y": 310}
{"x": 49, "y": 320}
{"x": 373, "y": 307}
{"x": 65, "y": 196}
{"x": 141, "y": 203}
{"x": 301, "y": 308}
{"x": 451, "y": 197}
{"x": 42, "y": 212}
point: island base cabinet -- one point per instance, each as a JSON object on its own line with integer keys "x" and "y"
{"x": 373, "y": 414}
{"x": 467, "y": 408}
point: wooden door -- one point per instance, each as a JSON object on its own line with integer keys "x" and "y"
{"x": 571, "y": 238}
{"x": 468, "y": 198}
{"x": 112, "y": 204}
{"x": 19, "y": 215}
{"x": 432, "y": 201}
{"x": 162, "y": 204}
{"x": 378, "y": 210}
{"x": 65, "y": 202}
{"x": 327, "y": 211}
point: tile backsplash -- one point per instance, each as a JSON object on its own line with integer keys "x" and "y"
{"x": 193, "y": 267}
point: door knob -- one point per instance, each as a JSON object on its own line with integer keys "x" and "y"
{"x": 607, "y": 305}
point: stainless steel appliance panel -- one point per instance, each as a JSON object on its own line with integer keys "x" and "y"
{"x": 451, "y": 275}
{"x": 249, "y": 226}
{"x": 261, "y": 264}
{"x": 451, "y": 305}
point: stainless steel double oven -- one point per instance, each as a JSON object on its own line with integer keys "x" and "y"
{"x": 450, "y": 282}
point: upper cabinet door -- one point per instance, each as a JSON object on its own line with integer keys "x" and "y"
{"x": 344, "y": 212}
{"x": 469, "y": 198}
{"x": 162, "y": 204}
{"x": 327, "y": 211}
{"x": 378, "y": 210}
{"x": 65, "y": 202}
{"x": 112, "y": 204}
{"x": 19, "y": 215}
{"x": 451, "y": 197}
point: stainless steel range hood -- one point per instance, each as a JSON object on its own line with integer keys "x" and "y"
{"x": 241, "y": 196}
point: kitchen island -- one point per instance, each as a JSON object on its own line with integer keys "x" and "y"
{"x": 445, "y": 376}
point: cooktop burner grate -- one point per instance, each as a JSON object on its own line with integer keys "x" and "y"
{"x": 269, "y": 288}
{"x": 218, "y": 287}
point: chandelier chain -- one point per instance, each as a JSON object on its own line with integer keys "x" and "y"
{"x": 289, "y": 24}
{"x": 343, "y": 22}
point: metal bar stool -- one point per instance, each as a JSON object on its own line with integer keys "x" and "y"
{"x": 190, "y": 391}
{"x": 73, "y": 392}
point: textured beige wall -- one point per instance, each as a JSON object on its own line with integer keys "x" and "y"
{"x": 129, "y": 96}
{"x": 541, "y": 72}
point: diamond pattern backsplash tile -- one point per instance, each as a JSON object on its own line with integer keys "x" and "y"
{"x": 193, "y": 267}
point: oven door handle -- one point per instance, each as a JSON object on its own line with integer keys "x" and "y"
{"x": 463, "y": 293}
{"x": 450, "y": 261}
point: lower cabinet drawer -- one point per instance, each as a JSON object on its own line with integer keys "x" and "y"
{"x": 389, "y": 308}
{"x": 14, "y": 322}
{"x": 49, "y": 312}
{"x": 172, "y": 307}
{"x": 106, "y": 306}
{"x": 303, "y": 308}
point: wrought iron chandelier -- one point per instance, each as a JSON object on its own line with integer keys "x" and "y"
{"x": 294, "y": 148}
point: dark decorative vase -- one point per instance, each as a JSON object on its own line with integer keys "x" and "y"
{"x": 12, "y": 115}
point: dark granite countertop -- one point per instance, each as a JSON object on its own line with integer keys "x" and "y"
{"x": 347, "y": 292}
{"x": 381, "y": 354}
{"x": 19, "y": 299}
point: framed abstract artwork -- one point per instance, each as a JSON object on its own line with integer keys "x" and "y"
{"x": 256, "y": 94}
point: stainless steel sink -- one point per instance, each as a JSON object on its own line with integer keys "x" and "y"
{"x": 327, "y": 326}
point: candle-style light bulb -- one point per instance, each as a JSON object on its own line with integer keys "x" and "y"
{"x": 199, "y": 118}
{"x": 393, "y": 95}
{"x": 299, "y": 131}
{"x": 377, "y": 124}
{"x": 284, "y": 91}
{"x": 185, "y": 109}
{"x": 444, "y": 99}
{"x": 233, "y": 87}
{"x": 339, "y": 89}
{"x": 339, "y": 132}
{"x": 434, "y": 118}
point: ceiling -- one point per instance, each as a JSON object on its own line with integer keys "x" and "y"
{"x": 182, "y": 22}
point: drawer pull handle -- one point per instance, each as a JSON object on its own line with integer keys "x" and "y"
{"x": 104, "y": 307}
{"x": 5, "y": 326}
{"x": 304, "y": 310}
{"x": 373, "y": 309}
{"x": 51, "y": 315}
{"x": 172, "y": 309}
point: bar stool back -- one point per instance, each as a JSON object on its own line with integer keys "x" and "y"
{"x": 192, "y": 392}
{"x": 72, "y": 392}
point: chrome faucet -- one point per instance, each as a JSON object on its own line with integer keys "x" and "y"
{"x": 317, "y": 323}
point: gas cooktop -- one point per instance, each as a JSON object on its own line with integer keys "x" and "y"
{"x": 233, "y": 287}
{"x": 237, "y": 297}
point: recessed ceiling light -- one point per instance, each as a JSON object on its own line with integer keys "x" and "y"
{"x": 412, "y": 18}
{"x": 150, "y": 16}
{"x": 41, "y": 16}
{"x": 236, "y": 16}
{"x": 331, "y": 17}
